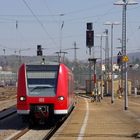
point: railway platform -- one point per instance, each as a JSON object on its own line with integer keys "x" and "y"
{"x": 101, "y": 121}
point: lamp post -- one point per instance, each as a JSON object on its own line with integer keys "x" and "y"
{"x": 124, "y": 4}
{"x": 112, "y": 74}
{"x": 101, "y": 63}
{"x": 101, "y": 85}
{"x": 106, "y": 62}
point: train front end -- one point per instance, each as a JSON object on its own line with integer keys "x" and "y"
{"x": 44, "y": 91}
{"x": 36, "y": 92}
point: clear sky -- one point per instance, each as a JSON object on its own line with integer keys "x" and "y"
{"x": 26, "y": 23}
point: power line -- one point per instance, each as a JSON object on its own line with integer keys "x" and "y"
{"x": 51, "y": 12}
{"x": 87, "y": 9}
{"x": 37, "y": 19}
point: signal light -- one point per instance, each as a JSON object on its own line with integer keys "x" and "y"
{"x": 89, "y": 38}
{"x": 39, "y": 50}
{"x": 119, "y": 60}
{"x": 89, "y": 26}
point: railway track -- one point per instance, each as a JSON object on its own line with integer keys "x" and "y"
{"x": 49, "y": 132}
{"x": 56, "y": 127}
{"x": 7, "y": 112}
{"x": 20, "y": 134}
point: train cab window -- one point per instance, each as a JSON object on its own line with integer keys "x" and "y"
{"x": 42, "y": 83}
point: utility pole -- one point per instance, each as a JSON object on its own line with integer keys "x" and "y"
{"x": 124, "y": 4}
{"x": 61, "y": 30}
{"x": 101, "y": 64}
{"x": 5, "y": 61}
{"x": 106, "y": 63}
{"x": 75, "y": 53}
{"x": 124, "y": 54}
{"x": 112, "y": 73}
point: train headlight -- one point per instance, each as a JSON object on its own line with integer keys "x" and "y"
{"x": 61, "y": 98}
{"x": 22, "y": 98}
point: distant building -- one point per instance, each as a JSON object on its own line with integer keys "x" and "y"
{"x": 7, "y": 78}
{"x": 0, "y": 68}
{"x": 115, "y": 67}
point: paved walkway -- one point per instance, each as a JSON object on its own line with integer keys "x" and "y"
{"x": 100, "y": 121}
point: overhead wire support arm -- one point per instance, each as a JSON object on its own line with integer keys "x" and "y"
{"x": 59, "y": 55}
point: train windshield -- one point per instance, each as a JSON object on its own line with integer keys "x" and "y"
{"x": 42, "y": 83}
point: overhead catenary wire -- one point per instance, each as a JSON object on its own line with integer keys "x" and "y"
{"x": 99, "y": 16}
{"x": 51, "y": 14}
{"x": 41, "y": 24}
{"x": 70, "y": 14}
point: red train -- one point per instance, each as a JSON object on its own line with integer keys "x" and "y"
{"x": 44, "y": 90}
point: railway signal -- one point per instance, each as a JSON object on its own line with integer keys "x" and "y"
{"x": 90, "y": 44}
{"x": 119, "y": 58}
{"x": 89, "y": 26}
{"x": 39, "y": 50}
{"x": 89, "y": 36}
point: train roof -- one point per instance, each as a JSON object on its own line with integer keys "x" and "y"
{"x": 40, "y": 67}
{"x": 43, "y": 65}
